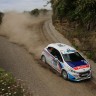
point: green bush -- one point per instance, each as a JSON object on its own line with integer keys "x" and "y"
{"x": 81, "y": 11}
{"x": 9, "y": 86}
{"x": 35, "y": 12}
{"x": 43, "y": 11}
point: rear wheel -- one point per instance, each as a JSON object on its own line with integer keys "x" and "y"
{"x": 64, "y": 75}
{"x": 43, "y": 59}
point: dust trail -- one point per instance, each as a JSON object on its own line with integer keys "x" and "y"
{"x": 23, "y": 29}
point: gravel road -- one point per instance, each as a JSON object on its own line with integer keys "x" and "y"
{"x": 40, "y": 78}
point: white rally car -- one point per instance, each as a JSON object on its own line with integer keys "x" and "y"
{"x": 67, "y": 61}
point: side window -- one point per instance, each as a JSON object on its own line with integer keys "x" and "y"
{"x": 55, "y": 53}
{"x": 50, "y": 49}
{"x": 58, "y": 55}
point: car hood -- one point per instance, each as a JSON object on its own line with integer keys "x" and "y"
{"x": 79, "y": 64}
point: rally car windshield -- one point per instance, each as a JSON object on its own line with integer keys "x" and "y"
{"x": 73, "y": 57}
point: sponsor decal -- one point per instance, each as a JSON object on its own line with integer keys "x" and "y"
{"x": 60, "y": 65}
{"x": 55, "y": 62}
{"x": 81, "y": 67}
{"x": 68, "y": 50}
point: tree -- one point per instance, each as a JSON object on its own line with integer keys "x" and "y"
{"x": 35, "y": 12}
{"x": 43, "y": 11}
{"x": 1, "y": 16}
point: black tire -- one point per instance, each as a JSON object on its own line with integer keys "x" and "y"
{"x": 43, "y": 58}
{"x": 64, "y": 75}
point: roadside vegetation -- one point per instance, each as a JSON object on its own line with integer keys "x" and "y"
{"x": 1, "y": 16}
{"x": 76, "y": 20}
{"x": 11, "y": 87}
{"x": 37, "y": 12}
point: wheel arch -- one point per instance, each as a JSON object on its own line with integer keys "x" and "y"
{"x": 63, "y": 70}
{"x": 44, "y": 57}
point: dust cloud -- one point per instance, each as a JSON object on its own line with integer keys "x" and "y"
{"x": 23, "y": 29}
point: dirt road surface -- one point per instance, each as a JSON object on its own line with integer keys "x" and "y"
{"x": 24, "y": 63}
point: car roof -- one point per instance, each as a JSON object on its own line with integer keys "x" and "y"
{"x": 63, "y": 48}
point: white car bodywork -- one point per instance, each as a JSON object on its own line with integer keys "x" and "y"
{"x": 75, "y": 71}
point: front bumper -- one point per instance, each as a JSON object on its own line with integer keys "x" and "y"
{"x": 78, "y": 77}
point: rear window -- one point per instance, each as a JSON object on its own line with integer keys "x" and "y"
{"x": 73, "y": 57}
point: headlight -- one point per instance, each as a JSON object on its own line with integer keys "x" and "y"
{"x": 73, "y": 71}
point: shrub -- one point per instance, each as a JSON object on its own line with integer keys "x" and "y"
{"x": 35, "y": 12}
{"x": 81, "y": 11}
{"x": 10, "y": 87}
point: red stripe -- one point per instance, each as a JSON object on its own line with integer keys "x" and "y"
{"x": 81, "y": 67}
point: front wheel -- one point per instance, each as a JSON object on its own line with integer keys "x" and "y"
{"x": 64, "y": 75}
{"x": 43, "y": 59}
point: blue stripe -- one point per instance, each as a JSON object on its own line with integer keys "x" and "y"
{"x": 75, "y": 64}
{"x": 60, "y": 64}
{"x": 71, "y": 77}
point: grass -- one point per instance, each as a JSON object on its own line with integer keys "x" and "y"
{"x": 11, "y": 87}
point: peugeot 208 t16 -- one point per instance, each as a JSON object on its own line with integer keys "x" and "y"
{"x": 67, "y": 61}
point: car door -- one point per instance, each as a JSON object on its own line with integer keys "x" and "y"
{"x": 56, "y": 61}
{"x": 49, "y": 55}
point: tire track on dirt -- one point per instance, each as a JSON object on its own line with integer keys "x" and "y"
{"x": 43, "y": 35}
{"x": 82, "y": 86}
{"x": 37, "y": 75}
{"x": 89, "y": 85}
